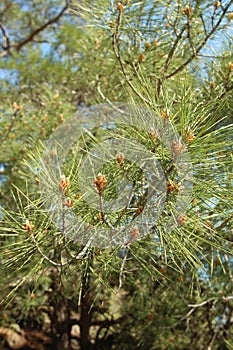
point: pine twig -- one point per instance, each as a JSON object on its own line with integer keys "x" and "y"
{"x": 122, "y": 269}
{"x": 116, "y": 50}
{"x": 31, "y": 36}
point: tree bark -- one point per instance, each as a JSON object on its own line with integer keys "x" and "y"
{"x": 85, "y": 312}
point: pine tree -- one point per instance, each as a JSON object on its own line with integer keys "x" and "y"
{"x": 158, "y": 77}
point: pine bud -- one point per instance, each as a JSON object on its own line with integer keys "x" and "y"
{"x": 120, "y": 7}
{"x": 141, "y": 58}
{"x": 134, "y": 233}
{"x": 217, "y": 4}
{"x": 100, "y": 183}
{"x": 64, "y": 183}
{"x": 120, "y": 158}
{"x": 28, "y": 226}
{"x": 177, "y": 148}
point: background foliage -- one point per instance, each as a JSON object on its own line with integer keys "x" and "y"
{"x": 170, "y": 290}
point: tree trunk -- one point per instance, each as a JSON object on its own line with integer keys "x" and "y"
{"x": 60, "y": 316}
{"x": 85, "y": 312}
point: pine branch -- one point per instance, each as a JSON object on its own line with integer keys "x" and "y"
{"x": 5, "y": 46}
{"x": 116, "y": 50}
{"x": 208, "y": 36}
{"x": 10, "y": 47}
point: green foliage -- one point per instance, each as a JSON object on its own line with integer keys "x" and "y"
{"x": 168, "y": 290}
